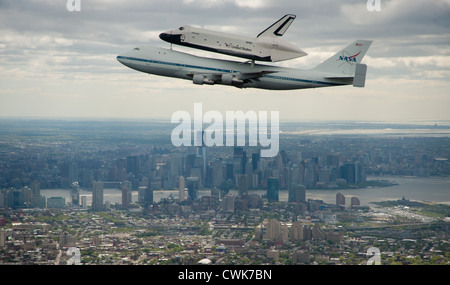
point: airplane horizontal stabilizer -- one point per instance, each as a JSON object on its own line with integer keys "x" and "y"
{"x": 360, "y": 75}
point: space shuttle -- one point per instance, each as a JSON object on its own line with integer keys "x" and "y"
{"x": 267, "y": 46}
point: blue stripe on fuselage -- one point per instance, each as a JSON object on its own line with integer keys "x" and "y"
{"x": 226, "y": 70}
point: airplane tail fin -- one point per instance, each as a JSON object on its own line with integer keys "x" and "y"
{"x": 279, "y": 27}
{"x": 345, "y": 62}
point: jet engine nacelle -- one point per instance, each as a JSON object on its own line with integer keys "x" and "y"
{"x": 230, "y": 79}
{"x": 201, "y": 79}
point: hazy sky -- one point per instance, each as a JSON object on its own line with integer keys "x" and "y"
{"x": 56, "y": 63}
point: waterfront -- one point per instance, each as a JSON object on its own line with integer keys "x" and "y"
{"x": 430, "y": 189}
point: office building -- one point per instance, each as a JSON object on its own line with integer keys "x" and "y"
{"x": 272, "y": 189}
{"x": 126, "y": 194}
{"x": 340, "y": 199}
{"x": 56, "y": 202}
{"x": 354, "y": 202}
{"x": 351, "y": 172}
{"x": 318, "y": 233}
{"x": 3, "y": 237}
{"x": 148, "y": 196}
{"x": 242, "y": 184}
{"x": 84, "y": 202}
{"x": 192, "y": 186}
{"x": 181, "y": 189}
{"x": 276, "y": 231}
{"x": 97, "y": 196}
{"x": 299, "y": 194}
{"x": 296, "y": 232}
{"x": 217, "y": 173}
{"x": 3, "y": 198}
{"x": 228, "y": 203}
{"x": 16, "y": 199}
{"x": 75, "y": 193}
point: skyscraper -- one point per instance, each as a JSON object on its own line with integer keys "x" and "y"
{"x": 181, "y": 187}
{"x": 318, "y": 233}
{"x": 242, "y": 184}
{"x": 97, "y": 196}
{"x": 299, "y": 194}
{"x": 217, "y": 173}
{"x": 75, "y": 193}
{"x": 37, "y": 200}
{"x": 277, "y": 231}
{"x": 354, "y": 201}
{"x": 340, "y": 199}
{"x": 272, "y": 189}
{"x": 255, "y": 161}
{"x": 351, "y": 172}
{"x": 148, "y": 196}
{"x": 228, "y": 203}
{"x": 296, "y": 231}
{"x": 84, "y": 202}
{"x": 293, "y": 179}
{"x": 201, "y": 156}
{"x": 133, "y": 165}
{"x": 192, "y": 186}
{"x": 126, "y": 194}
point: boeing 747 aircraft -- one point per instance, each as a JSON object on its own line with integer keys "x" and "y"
{"x": 343, "y": 68}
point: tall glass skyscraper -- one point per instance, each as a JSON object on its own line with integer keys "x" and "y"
{"x": 272, "y": 189}
{"x": 97, "y": 196}
{"x": 192, "y": 186}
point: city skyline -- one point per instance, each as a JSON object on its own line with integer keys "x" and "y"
{"x": 56, "y": 63}
{"x": 313, "y": 203}
{"x": 127, "y": 155}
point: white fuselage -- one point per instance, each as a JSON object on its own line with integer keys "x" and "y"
{"x": 170, "y": 63}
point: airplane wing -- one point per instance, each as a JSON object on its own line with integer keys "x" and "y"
{"x": 253, "y": 75}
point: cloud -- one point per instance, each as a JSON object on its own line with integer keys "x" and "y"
{"x": 63, "y": 61}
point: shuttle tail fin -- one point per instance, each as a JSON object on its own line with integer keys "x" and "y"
{"x": 345, "y": 61}
{"x": 279, "y": 27}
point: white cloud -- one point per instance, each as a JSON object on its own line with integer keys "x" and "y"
{"x": 64, "y": 63}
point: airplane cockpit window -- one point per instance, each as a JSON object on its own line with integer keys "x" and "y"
{"x": 136, "y": 48}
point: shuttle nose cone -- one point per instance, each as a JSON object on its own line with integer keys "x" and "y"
{"x": 169, "y": 37}
{"x": 164, "y": 36}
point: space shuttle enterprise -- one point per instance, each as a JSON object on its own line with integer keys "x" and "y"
{"x": 345, "y": 67}
{"x": 267, "y": 46}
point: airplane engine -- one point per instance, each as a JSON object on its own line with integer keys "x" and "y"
{"x": 229, "y": 79}
{"x": 200, "y": 80}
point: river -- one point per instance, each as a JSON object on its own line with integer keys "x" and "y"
{"x": 431, "y": 189}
